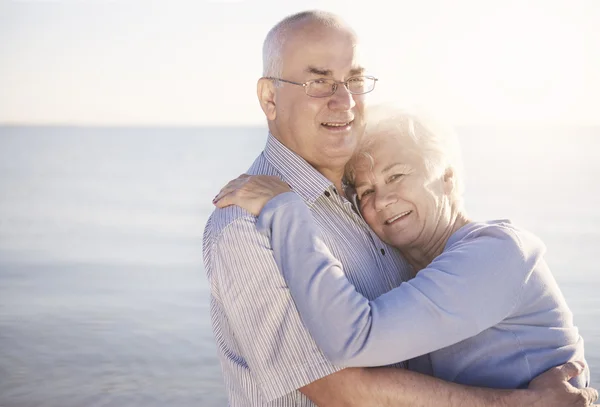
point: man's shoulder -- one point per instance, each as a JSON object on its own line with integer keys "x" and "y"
{"x": 223, "y": 218}
{"x": 233, "y": 222}
{"x": 262, "y": 166}
{"x": 220, "y": 219}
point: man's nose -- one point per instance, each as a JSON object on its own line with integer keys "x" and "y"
{"x": 342, "y": 99}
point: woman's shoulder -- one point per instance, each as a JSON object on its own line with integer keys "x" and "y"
{"x": 500, "y": 238}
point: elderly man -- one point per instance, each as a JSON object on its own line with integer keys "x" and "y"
{"x": 312, "y": 94}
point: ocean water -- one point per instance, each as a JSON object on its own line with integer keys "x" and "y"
{"x": 103, "y": 296}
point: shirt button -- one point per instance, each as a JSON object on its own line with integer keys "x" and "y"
{"x": 335, "y": 191}
{"x": 383, "y": 252}
{"x": 327, "y": 194}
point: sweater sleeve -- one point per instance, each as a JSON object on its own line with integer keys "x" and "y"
{"x": 470, "y": 287}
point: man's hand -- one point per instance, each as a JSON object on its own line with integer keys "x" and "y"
{"x": 554, "y": 389}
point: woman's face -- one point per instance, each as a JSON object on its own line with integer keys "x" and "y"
{"x": 397, "y": 196}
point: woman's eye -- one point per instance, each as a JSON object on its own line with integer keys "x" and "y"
{"x": 365, "y": 193}
{"x": 395, "y": 177}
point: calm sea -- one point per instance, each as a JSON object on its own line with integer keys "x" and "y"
{"x": 103, "y": 296}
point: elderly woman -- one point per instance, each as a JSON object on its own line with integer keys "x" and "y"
{"x": 483, "y": 302}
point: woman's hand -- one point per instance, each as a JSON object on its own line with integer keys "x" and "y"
{"x": 251, "y": 192}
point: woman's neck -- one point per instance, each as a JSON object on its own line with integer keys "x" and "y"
{"x": 421, "y": 256}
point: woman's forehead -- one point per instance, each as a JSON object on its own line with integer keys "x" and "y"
{"x": 388, "y": 143}
{"x": 386, "y": 151}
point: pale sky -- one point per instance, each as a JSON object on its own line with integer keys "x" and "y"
{"x": 197, "y": 62}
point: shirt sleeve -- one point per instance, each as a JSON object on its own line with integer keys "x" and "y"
{"x": 470, "y": 287}
{"x": 278, "y": 350}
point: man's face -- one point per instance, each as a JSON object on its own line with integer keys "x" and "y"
{"x": 324, "y": 131}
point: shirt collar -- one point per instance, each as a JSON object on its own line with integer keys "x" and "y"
{"x": 302, "y": 177}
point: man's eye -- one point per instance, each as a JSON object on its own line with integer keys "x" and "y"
{"x": 356, "y": 79}
{"x": 320, "y": 81}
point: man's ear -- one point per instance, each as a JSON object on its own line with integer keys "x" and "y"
{"x": 449, "y": 180}
{"x": 265, "y": 90}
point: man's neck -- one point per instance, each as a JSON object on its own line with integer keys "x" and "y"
{"x": 334, "y": 175}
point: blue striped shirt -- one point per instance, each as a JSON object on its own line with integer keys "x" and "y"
{"x": 266, "y": 353}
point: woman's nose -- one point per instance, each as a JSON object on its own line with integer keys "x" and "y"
{"x": 383, "y": 198}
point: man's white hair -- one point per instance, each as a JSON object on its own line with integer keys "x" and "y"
{"x": 278, "y": 35}
{"x": 436, "y": 143}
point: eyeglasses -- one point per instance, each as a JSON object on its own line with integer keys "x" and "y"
{"x": 320, "y": 88}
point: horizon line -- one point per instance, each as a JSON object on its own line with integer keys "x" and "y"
{"x": 264, "y": 125}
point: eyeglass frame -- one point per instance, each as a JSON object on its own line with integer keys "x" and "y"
{"x": 335, "y": 84}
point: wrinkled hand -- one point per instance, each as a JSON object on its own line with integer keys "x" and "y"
{"x": 251, "y": 192}
{"x": 555, "y": 390}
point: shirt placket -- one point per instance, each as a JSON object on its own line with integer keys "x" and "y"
{"x": 370, "y": 238}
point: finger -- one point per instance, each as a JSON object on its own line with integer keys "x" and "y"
{"x": 222, "y": 193}
{"x": 236, "y": 198}
{"x": 590, "y": 394}
{"x": 231, "y": 186}
{"x": 571, "y": 369}
{"x": 236, "y": 181}
{"x": 242, "y": 177}
{"x": 225, "y": 200}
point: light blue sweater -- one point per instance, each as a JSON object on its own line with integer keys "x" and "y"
{"x": 487, "y": 309}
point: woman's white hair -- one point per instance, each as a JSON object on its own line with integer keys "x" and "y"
{"x": 276, "y": 38}
{"x": 436, "y": 143}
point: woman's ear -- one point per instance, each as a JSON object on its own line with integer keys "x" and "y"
{"x": 265, "y": 90}
{"x": 449, "y": 181}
